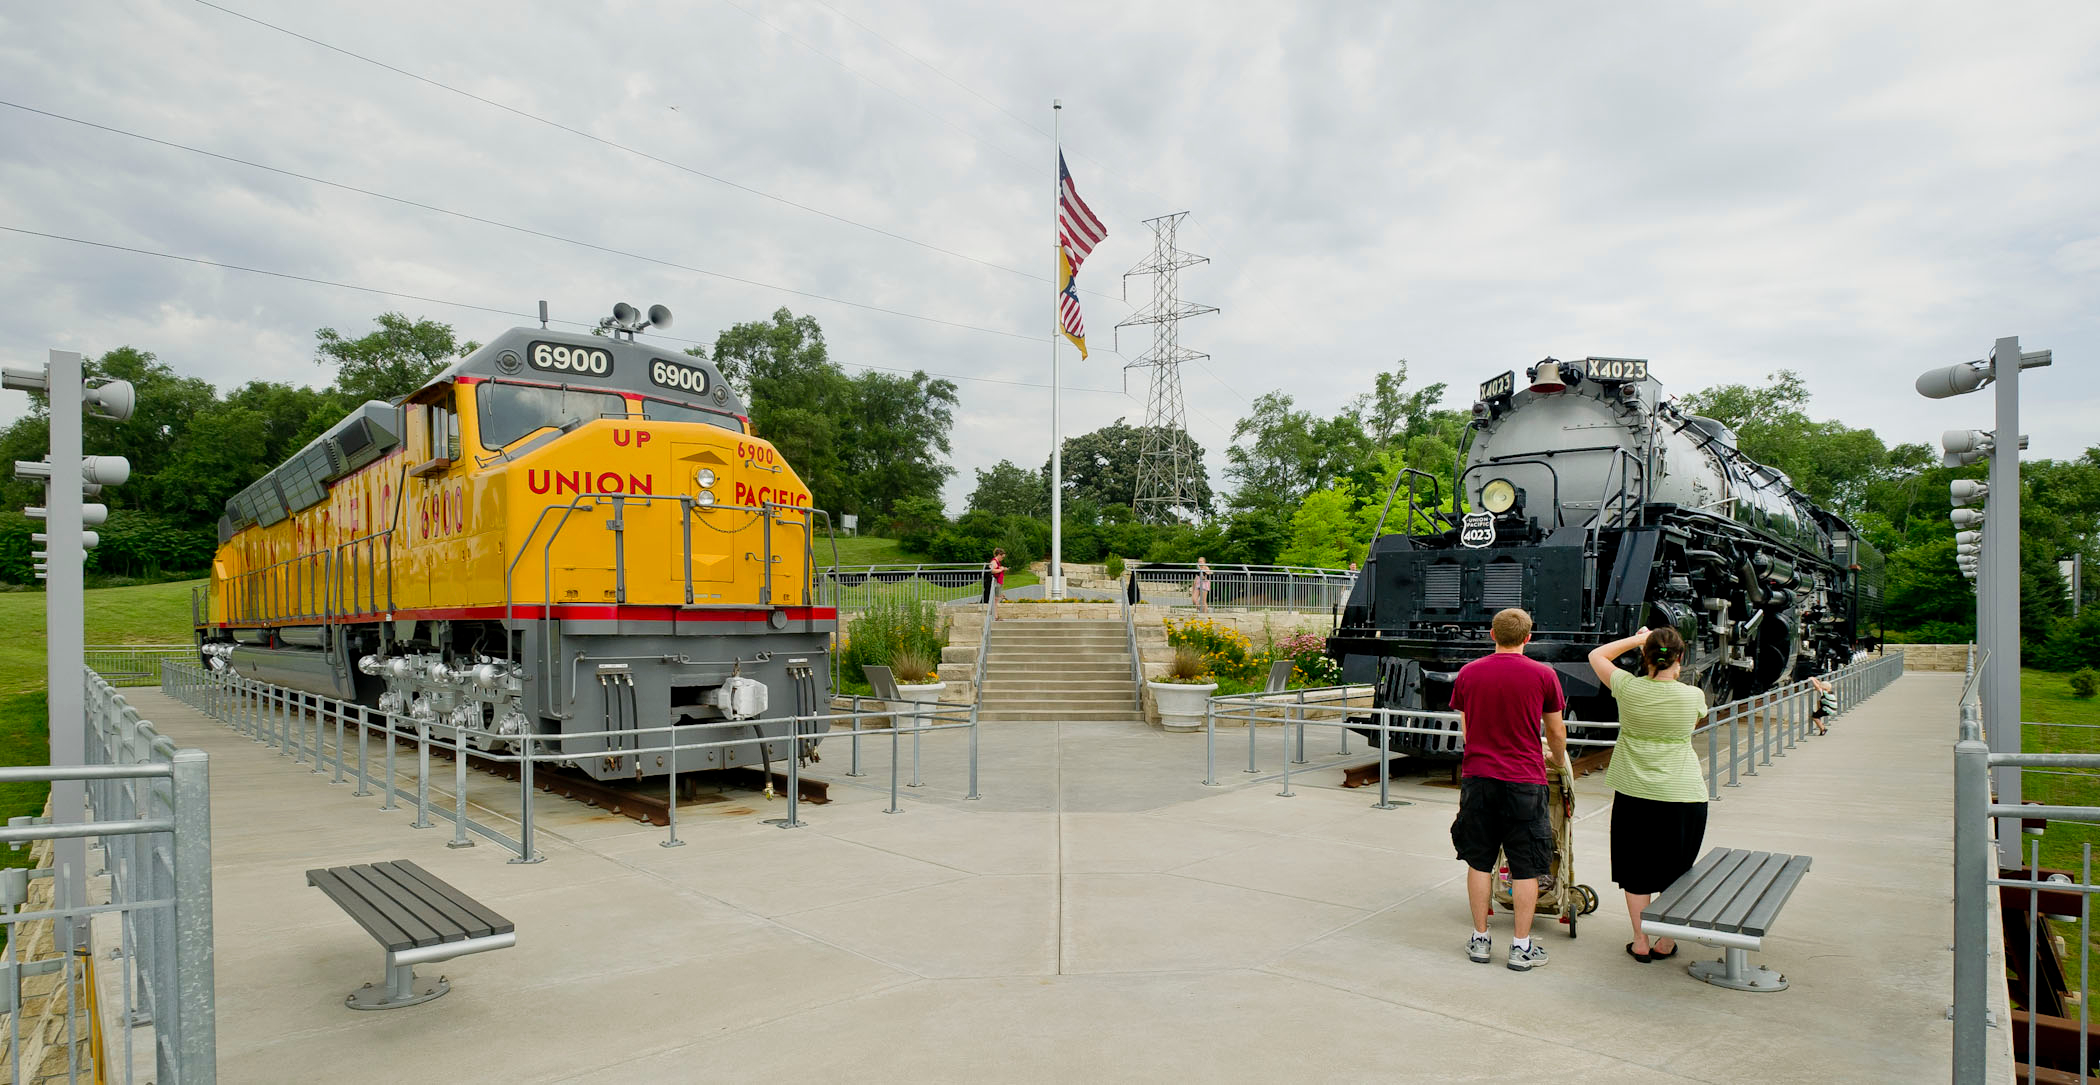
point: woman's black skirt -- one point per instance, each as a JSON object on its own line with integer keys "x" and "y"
{"x": 1654, "y": 843}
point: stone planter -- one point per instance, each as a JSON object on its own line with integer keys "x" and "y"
{"x": 1181, "y": 707}
{"x": 915, "y": 695}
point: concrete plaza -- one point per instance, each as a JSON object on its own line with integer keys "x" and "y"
{"x": 1099, "y": 915}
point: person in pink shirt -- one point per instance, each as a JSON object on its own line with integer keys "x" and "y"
{"x": 1502, "y": 699}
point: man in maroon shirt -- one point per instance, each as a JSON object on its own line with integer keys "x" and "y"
{"x": 1501, "y": 700}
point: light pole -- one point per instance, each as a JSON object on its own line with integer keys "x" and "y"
{"x": 68, "y": 477}
{"x": 1998, "y": 564}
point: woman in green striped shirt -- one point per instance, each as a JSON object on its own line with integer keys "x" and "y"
{"x": 1658, "y": 817}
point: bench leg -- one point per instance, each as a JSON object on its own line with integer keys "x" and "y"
{"x": 1735, "y": 972}
{"x": 402, "y": 987}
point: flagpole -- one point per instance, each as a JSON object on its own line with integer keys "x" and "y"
{"x": 1055, "y": 589}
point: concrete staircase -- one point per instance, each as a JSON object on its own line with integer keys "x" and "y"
{"x": 1052, "y": 670}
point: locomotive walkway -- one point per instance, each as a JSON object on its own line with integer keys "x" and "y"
{"x": 1099, "y": 915}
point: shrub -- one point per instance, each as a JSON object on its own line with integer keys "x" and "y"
{"x": 892, "y": 627}
{"x": 913, "y": 667}
{"x": 2073, "y": 643}
{"x": 1226, "y": 652}
{"x": 1115, "y": 567}
{"x": 2085, "y": 683}
{"x": 1186, "y": 667}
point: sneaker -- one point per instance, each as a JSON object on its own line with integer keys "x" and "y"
{"x": 1480, "y": 948}
{"x": 1524, "y": 960}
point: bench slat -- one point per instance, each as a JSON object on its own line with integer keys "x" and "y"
{"x": 1759, "y": 921}
{"x": 483, "y": 915}
{"x": 384, "y": 926}
{"x": 1703, "y": 916}
{"x": 408, "y": 886}
{"x": 442, "y": 927}
{"x": 1668, "y": 900}
{"x": 1730, "y": 917}
{"x": 1697, "y": 887}
{"x": 423, "y": 926}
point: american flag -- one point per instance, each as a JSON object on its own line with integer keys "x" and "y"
{"x": 1078, "y": 231}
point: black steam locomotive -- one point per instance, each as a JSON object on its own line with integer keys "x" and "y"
{"x": 1590, "y": 501}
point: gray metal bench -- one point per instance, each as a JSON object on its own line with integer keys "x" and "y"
{"x": 1729, "y": 899}
{"x": 417, "y": 919}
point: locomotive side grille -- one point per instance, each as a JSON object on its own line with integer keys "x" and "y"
{"x": 1440, "y": 587}
{"x": 1503, "y": 586}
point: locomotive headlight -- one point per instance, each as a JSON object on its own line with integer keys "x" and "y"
{"x": 704, "y": 497}
{"x": 705, "y": 477}
{"x": 1498, "y": 496}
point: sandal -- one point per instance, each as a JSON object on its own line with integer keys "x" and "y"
{"x": 1644, "y": 958}
{"x": 1654, "y": 956}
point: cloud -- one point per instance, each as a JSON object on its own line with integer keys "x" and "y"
{"x": 1854, "y": 191}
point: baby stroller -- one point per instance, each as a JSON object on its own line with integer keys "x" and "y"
{"x": 1559, "y": 895}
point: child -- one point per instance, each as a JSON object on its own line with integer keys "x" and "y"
{"x": 1826, "y": 703}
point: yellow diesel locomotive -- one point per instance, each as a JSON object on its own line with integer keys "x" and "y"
{"x": 561, "y": 534}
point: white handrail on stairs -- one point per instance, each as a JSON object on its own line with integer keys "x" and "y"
{"x": 1137, "y": 672}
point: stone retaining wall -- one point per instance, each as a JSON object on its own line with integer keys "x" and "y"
{"x": 1933, "y": 657}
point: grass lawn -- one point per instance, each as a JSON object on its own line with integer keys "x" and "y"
{"x": 147, "y": 614}
{"x": 2045, "y": 698}
{"x": 864, "y": 550}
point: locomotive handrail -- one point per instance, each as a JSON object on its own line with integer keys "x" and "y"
{"x": 1436, "y": 496}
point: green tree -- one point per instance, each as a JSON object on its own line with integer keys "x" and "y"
{"x": 798, "y": 398}
{"x": 1102, "y": 466}
{"x": 1010, "y": 490}
{"x": 1280, "y": 454}
{"x": 1324, "y": 531}
{"x": 392, "y": 360}
{"x": 896, "y": 439}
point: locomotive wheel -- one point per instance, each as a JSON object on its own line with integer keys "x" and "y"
{"x": 1589, "y": 899}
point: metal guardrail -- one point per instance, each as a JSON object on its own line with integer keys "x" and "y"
{"x": 1137, "y": 669}
{"x": 135, "y": 664}
{"x": 329, "y": 735}
{"x": 854, "y": 587}
{"x": 1771, "y": 722}
{"x": 1244, "y": 587}
{"x": 151, "y": 805}
{"x": 2050, "y": 1043}
{"x": 1768, "y": 724}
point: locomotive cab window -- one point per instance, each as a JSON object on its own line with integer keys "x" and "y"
{"x": 511, "y": 412}
{"x": 659, "y": 410}
{"x": 434, "y": 429}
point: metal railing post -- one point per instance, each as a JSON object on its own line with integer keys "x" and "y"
{"x": 459, "y": 790}
{"x": 1713, "y": 756}
{"x": 422, "y": 776}
{"x": 1249, "y": 720}
{"x": 973, "y": 754}
{"x": 794, "y": 760}
{"x": 195, "y": 1010}
{"x": 918, "y": 726}
{"x": 337, "y": 712}
{"x": 671, "y": 781}
{"x": 1734, "y": 728}
{"x": 1286, "y": 792}
{"x": 1385, "y": 761}
{"x": 387, "y": 802}
{"x": 1210, "y": 742}
{"x": 854, "y": 768}
{"x": 1298, "y": 715}
{"x": 531, "y": 743}
{"x": 893, "y": 768}
{"x": 364, "y": 786}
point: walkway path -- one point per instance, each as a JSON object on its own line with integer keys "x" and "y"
{"x": 1099, "y": 915}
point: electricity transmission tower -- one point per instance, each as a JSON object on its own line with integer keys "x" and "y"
{"x": 1167, "y": 467}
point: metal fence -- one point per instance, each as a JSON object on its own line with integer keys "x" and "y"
{"x": 151, "y": 920}
{"x": 2041, "y": 912}
{"x": 1242, "y": 587}
{"x": 135, "y": 664}
{"x": 389, "y": 754}
{"x": 1762, "y": 726}
{"x": 856, "y": 587}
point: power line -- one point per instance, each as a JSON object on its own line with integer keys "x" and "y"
{"x": 615, "y": 145}
{"x": 426, "y": 299}
{"x": 520, "y": 229}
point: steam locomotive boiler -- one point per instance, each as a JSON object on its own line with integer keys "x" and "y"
{"x": 563, "y": 535}
{"x": 1592, "y": 502}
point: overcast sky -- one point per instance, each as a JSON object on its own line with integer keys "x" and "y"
{"x": 1856, "y": 191}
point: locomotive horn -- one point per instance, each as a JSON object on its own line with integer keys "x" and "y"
{"x": 624, "y": 314}
{"x": 659, "y": 317}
